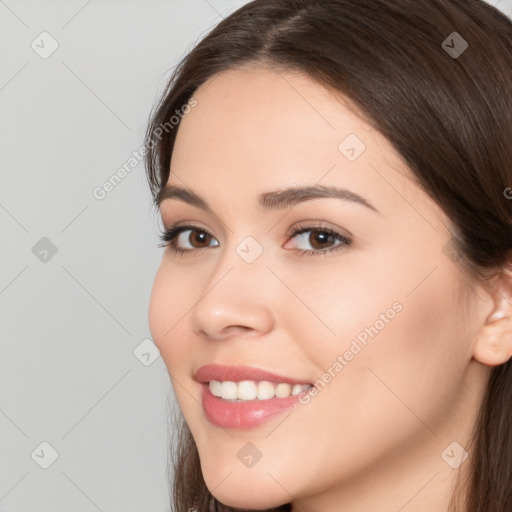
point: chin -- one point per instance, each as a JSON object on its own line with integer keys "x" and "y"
{"x": 256, "y": 501}
{"x": 241, "y": 490}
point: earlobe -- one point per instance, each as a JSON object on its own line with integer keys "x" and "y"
{"x": 494, "y": 344}
{"x": 493, "y": 350}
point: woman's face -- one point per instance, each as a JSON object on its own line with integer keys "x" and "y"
{"x": 370, "y": 312}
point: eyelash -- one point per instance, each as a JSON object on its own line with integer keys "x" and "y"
{"x": 169, "y": 235}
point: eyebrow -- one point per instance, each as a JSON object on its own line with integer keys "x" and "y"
{"x": 274, "y": 200}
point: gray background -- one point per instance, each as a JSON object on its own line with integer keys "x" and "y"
{"x": 73, "y": 371}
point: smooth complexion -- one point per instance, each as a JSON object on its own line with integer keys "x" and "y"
{"x": 372, "y": 439}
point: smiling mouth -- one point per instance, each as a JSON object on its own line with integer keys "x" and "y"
{"x": 248, "y": 390}
{"x": 248, "y": 404}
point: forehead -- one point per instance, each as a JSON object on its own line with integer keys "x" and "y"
{"x": 260, "y": 99}
{"x": 257, "y": 129}
{"x": 272, "y": 121}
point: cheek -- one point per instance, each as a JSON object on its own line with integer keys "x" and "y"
{"x": 385, "y": 308}
{"x": 402, "y": 342}
{"x": 168, "y": 305}
{"x": 337, "y": 309}
{"x": 171, "y": 300}
{"x": 413, "y": 359}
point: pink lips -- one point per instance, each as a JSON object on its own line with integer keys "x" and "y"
{"x": 243, "y": 415}
{"x": 239, "y": 373}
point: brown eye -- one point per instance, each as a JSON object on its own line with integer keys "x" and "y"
{"x": 187, "y": 239}
{"x": 198, "y": 237}
{"x": 319, "y": 239}
{"x": 195, "y": 237}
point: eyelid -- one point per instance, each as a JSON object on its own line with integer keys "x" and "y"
{"x": 181, "y": 223}
{"x": 318, "y": 225}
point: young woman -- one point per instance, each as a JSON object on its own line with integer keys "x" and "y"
{"x": 334, "y": 303}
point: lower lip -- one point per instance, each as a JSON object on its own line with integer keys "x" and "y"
{"x": 244, "y": 415}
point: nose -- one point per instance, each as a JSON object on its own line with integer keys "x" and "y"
{"x": 235, "y": 301}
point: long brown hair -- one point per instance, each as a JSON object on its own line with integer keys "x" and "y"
{"x": 448, "y": 115}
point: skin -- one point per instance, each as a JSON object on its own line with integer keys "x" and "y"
{"x": 372, "y": 438}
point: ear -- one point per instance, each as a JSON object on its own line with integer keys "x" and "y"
{"x": 494, "y": 344}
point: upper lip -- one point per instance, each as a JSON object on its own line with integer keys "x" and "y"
{"x": 239, "y": 373}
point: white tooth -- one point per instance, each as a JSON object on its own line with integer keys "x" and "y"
{"x": 215, "y": 387}
{"x": 246, "y": 390}
{"x": 228, "y": 390}
{"x": 297, "y": 388}
{"x": 265, "y": 390}
{"x": 283, "y": 390}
